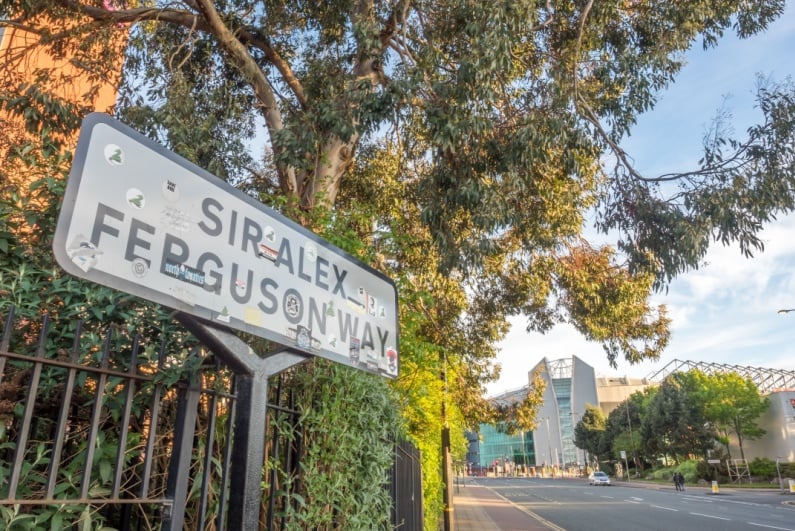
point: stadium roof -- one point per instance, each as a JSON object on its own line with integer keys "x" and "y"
{"x": 766, "y": 379}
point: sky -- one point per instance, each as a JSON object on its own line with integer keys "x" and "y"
{"x": 727, "y": 310}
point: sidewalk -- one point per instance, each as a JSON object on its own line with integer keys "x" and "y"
{"x": 478, "y": 508}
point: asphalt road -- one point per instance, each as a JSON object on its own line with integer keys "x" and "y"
{"x": 573, "y": 505}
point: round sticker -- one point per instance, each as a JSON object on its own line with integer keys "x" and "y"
{"x": 135, "y": 198}
{"x": 269, "y": 233}
{"x": 170, "y": 191}
{"x": 139, "y": 267}
{"x": 114, "y": 155}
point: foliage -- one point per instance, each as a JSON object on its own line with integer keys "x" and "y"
{"x": 589, "y": 430}
{"x": 688, "y": 468}
{"x": 349, "y": 438}
{"x": 733, "y": 404}
{"x": 522, "y": 416}
{"x": 622, "y": 430}
{"x": 515, "y": 104}
{"x": 675, "y": 425}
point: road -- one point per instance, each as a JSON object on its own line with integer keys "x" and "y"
{"x": 573, "y": 505}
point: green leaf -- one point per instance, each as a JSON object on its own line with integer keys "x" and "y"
{"x": 56, "y": 524}
{"x": 105, "y": 470}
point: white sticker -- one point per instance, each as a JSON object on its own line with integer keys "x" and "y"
{"x": 114, "y": 155}
{"x": 135, "y": 198}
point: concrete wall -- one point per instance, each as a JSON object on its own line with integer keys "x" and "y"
{"x": 779, "y": 422}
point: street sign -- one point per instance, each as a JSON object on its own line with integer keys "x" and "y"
{"x": 713, "y": 461}
{"x": 141, "y": 219}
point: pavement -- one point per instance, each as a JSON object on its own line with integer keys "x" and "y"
{"x": 475, "y": 508}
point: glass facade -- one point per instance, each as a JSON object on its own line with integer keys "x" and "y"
{"x": 562, "y": 387}
{"x": 570, "y": 385}
{"x": 495, "y": 446}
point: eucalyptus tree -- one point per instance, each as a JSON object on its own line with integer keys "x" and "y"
{"x": 504, "y": 111}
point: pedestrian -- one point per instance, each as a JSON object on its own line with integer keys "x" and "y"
{"x": 675, "y": 479}
{"x": 681, "y": 481}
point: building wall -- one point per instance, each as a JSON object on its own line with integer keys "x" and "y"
{"x": 23, "y": 61}
{"x": 20, "y": 54}
{"x": 565, "y": 397}
{"x": 779, "y": 423}
{"x": 547, "y": 436}
{"x": 612, "y": 391}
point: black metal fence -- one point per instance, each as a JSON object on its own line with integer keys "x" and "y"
{"x": 406, "y": 486}
{"x": 99, "y": 433}
{"x": 94, "y": 434}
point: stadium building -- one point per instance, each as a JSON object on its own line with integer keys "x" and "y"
{"x": 571, "y": 384}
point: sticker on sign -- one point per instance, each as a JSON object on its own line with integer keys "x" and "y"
{"x": 141, "y": 219}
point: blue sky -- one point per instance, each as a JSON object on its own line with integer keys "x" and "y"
{"x": 726, "y": 311}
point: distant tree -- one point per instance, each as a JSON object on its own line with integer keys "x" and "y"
{"x": 675, "y": 424}
{"x": 733, "y": 404}
{"x": 588, "y": 431}
{"x": 623, "y": 429}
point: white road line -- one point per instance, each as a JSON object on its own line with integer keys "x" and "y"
{"x": 697, "y": 498}
{"x": 608, "y": 497}
{"x": 771, "y": 526}
{"x": 710, "y": 516}
{"x": 665, "y": 508}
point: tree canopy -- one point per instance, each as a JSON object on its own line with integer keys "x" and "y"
{"x": 501, "y": 114}
{"x": 733, "y": 405}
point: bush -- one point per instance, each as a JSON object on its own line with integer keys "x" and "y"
{"x": 763, "y": 468}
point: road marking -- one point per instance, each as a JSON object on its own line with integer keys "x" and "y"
{"x": 530, "y": 513}
{"x": 771, "y": 526}
{"x": 608, "y": 497}
{"x": 665, "y": 508}
{"x": 710, "y": 516}
{"x": 635, "y": 498}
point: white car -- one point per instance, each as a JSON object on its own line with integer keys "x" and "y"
{"x": 599, "y": 478}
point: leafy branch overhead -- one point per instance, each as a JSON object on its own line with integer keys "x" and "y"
{"x": 499, "y": 116}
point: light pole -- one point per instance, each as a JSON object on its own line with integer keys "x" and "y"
{"x": 778, "y": 471}
{"x": 549, "y": 448}
{"x": 787, "y": 310}
{"x": 631, "y": 440}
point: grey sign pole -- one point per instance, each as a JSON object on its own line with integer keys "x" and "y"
{"x": 248, "y": 455}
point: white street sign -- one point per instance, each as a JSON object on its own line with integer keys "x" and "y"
{"x": 141, "y": 219}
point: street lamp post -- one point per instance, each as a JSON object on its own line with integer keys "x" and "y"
{"x": 631, "y": 440}
{"x": 778, "y": 471}
{"x": 549, "y": 448}
{"x": 575, "y": 417}
{"x": 787, "y": 310}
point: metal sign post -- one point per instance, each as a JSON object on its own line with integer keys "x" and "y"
{"x": 248, "y": 455}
